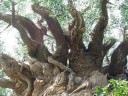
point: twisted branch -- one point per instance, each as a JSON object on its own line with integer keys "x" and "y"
{"x": 119, "y": 59}
{"x": 56, "y": 30}
{"x": 97, "y": 34}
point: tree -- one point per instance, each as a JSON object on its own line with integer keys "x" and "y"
{"x": 50, "y": 74}
{"x": 2, "y": 90}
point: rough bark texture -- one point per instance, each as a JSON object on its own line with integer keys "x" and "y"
{"x": 50, "y": 74}
{"x": 119, "y": 59}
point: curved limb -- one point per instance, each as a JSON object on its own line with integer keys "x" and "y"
{"x": 118, "y": 59}
{"x": 95, "y": 44}
{"x": 17, "y": 72}
{"x": 76, "y": 28}
{"x": 24, "y": 26}
{"x": 56, "y": 30}
{"x": 6, "y": 83}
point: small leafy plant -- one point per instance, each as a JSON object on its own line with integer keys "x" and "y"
{"x": 114, "y": 88}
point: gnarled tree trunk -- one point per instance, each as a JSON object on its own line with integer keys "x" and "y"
{"x": 49, "y": 74}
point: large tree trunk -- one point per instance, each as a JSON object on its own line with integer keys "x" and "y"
{"x": 50, "y": 74}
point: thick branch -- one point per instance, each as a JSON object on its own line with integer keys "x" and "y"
{"x": 119, "y": 59}
{"x": 6, "y": 83}
{"x": 10, "y": 64}
{"x": 54, "y": 26}
{"x": 76, "y": 28}
{"x": 97, "y": 34}
{"x": 31, "y": 28}
{"x": 31, "y": 44}
{"x": 21, "y": 29}
{"x": 17, "y": 72}
{"x": 58, "y": 64}
{"x": 24, "y": 26}
{"x": 108, "y": 45}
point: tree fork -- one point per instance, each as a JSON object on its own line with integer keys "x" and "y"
{"x": 22, "y": 24}
{"x": 56, "y": 30}
{"x": 95, "y": 44}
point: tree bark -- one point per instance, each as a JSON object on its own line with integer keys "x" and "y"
{"x": 50, "y": 74}
{"x": 118, "y": 59}
{"x": 97, "y": 33}
{"x": 56, "y": 30}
